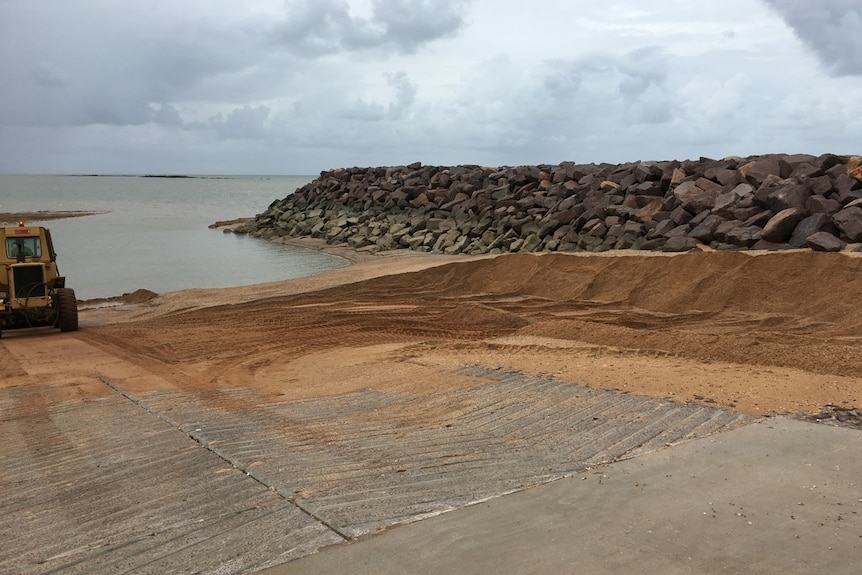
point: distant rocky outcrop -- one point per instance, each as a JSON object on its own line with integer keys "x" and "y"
{"x": 767, "y": 202}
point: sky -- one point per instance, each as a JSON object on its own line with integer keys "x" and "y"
{"x": 299, "y": 86}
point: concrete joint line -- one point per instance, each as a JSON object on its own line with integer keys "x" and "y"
{"x": 201, "y": 440}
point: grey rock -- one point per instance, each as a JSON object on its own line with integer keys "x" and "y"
{"x": 725, "y": 204}
{"x": 679, "y": 231}
{"x": 681, "y": 216}
{"x": 531, "y": 243}
{"x": 849, "y": 221}
{"x": 824, "y": 242}
{"x": 743, "y": 236}
{"x": 725, "y": 227}
{"x": 820, "y": 205}
{"x": 769, "y": 246}
{"x": 844, "y": 185}
{"x": 649, "y": 245}
{"x": 704, "y": 231}
{"x": 821, "y": 185}
{"x": 745, "y": 213}
{"x": 788, "y": 196}
{"x": 810, "y": 226}
{"x": 735, "y": 203}
{"x": 759, "y": 219}
{"x": 680, "y": 244}
{"x": 663, "y": 228}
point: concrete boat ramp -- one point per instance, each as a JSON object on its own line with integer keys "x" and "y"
{"x": 517, "y": 474}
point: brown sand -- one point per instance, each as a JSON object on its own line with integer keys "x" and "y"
{"x": 761, "y": 334}
{"x": 11, "y": 218}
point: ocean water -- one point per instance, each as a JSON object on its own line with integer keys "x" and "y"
{"x": 154, "y": 232}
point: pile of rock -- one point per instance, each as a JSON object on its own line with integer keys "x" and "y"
{"x": 760, "y": 202}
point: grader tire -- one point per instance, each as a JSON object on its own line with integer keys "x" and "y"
{"x": 67, "y": 309}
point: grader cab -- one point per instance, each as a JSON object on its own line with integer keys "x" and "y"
{"x": 32, "y": 291}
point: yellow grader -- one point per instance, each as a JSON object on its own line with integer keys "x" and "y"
{"x": 32, "y": 291}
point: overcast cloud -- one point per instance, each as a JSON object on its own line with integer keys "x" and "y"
{"x": 298, "y": 86}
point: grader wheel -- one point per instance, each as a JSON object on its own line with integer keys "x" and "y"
{"x": 67, "y": 309}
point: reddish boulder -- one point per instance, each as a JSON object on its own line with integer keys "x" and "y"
{"x": 780, "y": 227}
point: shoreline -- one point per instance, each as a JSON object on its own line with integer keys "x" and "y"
{"x": 354, "y": 257}
{"x": 12, "y": 218}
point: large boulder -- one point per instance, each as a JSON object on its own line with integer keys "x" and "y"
{"x": 759, "y": 170}
{"x": 788, "y": 196}
{"x": 705, "y": 230}
{"x": 780, "y": 227}
{"x": 743, "y": 236}
{"x": 849, "y": 221}
{"x": 824, "y": 242}
{"x": 811, "y": 225}
{"x": 822, "y": 205}
{"x": 695, "y": 199}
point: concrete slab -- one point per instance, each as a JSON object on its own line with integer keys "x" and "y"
{"x": 103, "y": 486}
{"x": 779, "y": 496}
{"x": 366, "y": 461}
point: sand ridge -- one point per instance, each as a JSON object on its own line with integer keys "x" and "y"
{"x": 761, "y": 334}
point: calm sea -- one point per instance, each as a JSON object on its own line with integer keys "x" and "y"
{"x": 154, "y": 232}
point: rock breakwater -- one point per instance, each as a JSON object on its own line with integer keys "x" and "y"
{"x": 767, "y": 202}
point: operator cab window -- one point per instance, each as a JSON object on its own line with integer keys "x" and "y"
{"x": 30, "y": 247}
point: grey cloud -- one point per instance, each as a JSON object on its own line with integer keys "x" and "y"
{"x": 831, "y": 28}
{"x": 207, "y": 85}
{"x": 564, "y": 82}
{"x": 315, "y": 28}
{"x": 120, "y": 112}
{"x": 177, "y": 67}
{"x": 633, "y": 85}
{"x": 398, "y": 108}
{"x": 364, "y": 111}
{"x": 246, "y": 123}
{"x": 644, "y": 85}
{"x": 642, "y": 69}
{"x": 412, "y": 23}
{"x": 405, "y": 94}
{"x": 96, "y": 62}
{"x": 165, "y": 115}
{"x": 47, "y": 75}
{"x": 319, "y": 27}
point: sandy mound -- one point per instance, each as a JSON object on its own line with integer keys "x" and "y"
{"x": 760, "y": 333}
{"x": 817, "y": 285}
{"x": 136, "y": 297}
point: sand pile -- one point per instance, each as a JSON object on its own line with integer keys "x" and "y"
{"x": 763, "y": 333}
